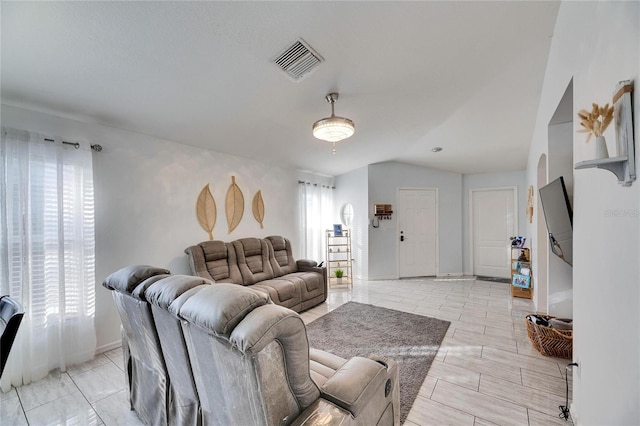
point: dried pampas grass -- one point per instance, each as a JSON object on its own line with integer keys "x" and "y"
{"x": 595, "y": 122}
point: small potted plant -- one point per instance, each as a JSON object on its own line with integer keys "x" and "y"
{"x": 339, "y": 273}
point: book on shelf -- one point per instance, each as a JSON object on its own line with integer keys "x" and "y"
{"x": 522, "y": 281}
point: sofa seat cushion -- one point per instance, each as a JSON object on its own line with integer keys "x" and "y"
{"x": 283, "y": 291}
{"x": 311, "y": 283}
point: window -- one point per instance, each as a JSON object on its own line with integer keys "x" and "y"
{"x": 47, "y": 247}
{"x": 316, "y": 209}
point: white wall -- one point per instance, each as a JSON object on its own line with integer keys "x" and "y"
{"x": 560, "y": 273}
{"x": 352, "y": 188}
{"x": 598, "y": 44}
{"x": 487, "y": 181}
{"x": 146, "y": 190}
{"x": 384, "y": 181}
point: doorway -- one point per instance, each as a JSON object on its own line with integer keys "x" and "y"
{"x": 494, "y": 218}
{"x": 560, "y": 163}
{"x": 418, "y": 231}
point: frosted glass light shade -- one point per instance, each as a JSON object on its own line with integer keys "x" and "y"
{"x": 333, "y": 129}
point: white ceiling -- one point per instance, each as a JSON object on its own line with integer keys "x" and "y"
{"x": 465, "y": 76}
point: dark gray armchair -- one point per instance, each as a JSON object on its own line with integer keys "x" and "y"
{"x": 11, "y": 314}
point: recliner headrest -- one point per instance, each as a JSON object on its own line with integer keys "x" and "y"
{"x": 220, "y": 307}
{"x": 251, "y": 246}
{"x": 166, "y": 290}
{"x": 278, "y": 242}
{"x": 125, "y": 280}
{"x": 214, "y": 250}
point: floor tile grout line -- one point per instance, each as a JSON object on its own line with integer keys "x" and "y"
{"x": 87, "y": 399}
{"x": 24, "y": 413}
{"x": 467, "y": 412}
{"x": 447, "y": 405}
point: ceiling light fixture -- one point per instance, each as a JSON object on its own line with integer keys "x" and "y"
{"x": 333, "y": 129}
{"x": 437, "y": 149}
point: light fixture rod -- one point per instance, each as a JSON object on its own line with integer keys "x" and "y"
{"x": 334, "y": 128}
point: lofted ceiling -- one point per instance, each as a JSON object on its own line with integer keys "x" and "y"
{"x": 465, "y": 76}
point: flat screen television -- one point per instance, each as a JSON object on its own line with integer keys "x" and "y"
{"x": 559, "y": 218}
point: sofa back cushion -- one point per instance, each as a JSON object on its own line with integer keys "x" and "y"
{"x": 125, "y": 280}
{"x": 281, "y": 257}
{"x": 185, "y": 409}
{"x": 220, "y": 261}
{"x": 253, "y": 260}
{"x": 251, "y": 357}
{"x": 219, "y": 308}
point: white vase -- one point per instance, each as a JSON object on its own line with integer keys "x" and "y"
{"x": 601, "y": 148}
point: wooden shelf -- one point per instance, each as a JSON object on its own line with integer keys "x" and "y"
{"x": 516, "y": 253}
{"x": 619, "y": 166}
{"x": 339, "y": 257}
{"x": 624, "y": 165}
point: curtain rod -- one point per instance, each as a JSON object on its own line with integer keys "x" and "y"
{"x": 301, "y": 182}
{"x": 76, "y": 145}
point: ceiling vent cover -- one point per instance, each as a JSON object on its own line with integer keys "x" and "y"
{"x": 298, "y": 60}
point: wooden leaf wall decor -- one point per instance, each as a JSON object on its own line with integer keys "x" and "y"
{"x": 258, "y": 208}
{"x": 234, "y": 205}
{"x": 206, "y": 211}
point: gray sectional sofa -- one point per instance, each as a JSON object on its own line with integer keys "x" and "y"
{"x": 266, "y": 265}
{"x": 204, "y": 354}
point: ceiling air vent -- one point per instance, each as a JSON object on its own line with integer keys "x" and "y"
{"x": 298, "y": 60}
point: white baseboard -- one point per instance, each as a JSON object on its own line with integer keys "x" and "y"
{"x": 573, "y": 413}
{"x": 450, "y": 275}
{"x": 108, "y": 347}
{"x": 383, "y": 277}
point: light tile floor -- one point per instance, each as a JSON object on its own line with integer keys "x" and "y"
{"x": 485, "y": 373}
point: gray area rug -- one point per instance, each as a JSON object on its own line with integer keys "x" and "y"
{"x": 357, "y": 329}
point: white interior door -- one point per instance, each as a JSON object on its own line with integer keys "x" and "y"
{"x": 494, "y": 220}
{"x": 418, "y": 229}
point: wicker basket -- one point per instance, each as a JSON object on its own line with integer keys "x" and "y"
{"x": 550, "y": 341}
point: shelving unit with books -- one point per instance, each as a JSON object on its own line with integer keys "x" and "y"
{"x": 521, "y": 281}
{"x": 339, "y": 256}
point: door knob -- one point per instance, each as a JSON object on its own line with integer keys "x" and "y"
{"x": 401, "y": 237}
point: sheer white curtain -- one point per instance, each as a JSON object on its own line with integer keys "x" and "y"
{"x": 47, "y": 252}
{"x": 316, "y": 210}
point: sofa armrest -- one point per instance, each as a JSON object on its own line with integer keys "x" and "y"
{"x": 306, "y": 263}
{"x": 361, "y": 385}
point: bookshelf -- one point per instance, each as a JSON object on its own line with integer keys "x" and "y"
{"x": 521, "y": 281}
{"x": 339, "y": 257}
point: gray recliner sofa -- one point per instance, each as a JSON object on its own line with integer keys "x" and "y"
{"x": 249, "y": 359}
{"x": 145, "y": 370}
{"x": 264, "y": 264}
